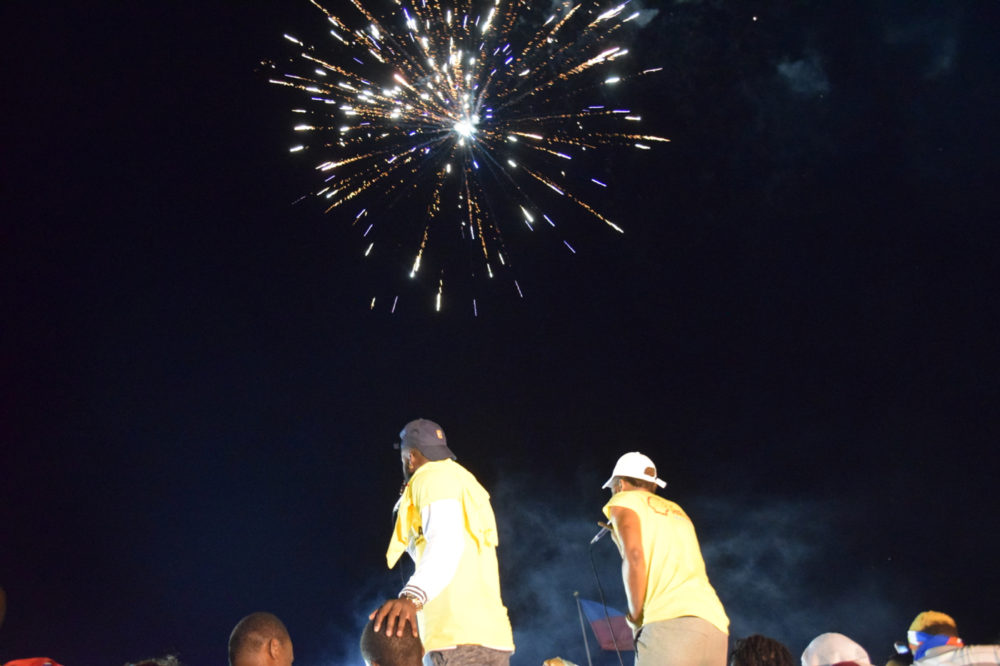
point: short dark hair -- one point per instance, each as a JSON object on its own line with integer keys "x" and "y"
{"x": 757, "y": 650}
{"x": 169, "y": 660}
{"x": 941, "y": 629}
{"x": 252, "y": 632}
{"x": 640, "y": 483}
{"x": 389, "y": 649}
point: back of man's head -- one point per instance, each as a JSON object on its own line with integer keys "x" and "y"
{"x": 258, "y": 639}
{"x": 932, "y": 630}
{"x": 758, "y": 650}
{"x": 934, "y": 622}
{"x": 383, "y": 649}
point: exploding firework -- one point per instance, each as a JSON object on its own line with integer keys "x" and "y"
{"x": 474, "y": 115}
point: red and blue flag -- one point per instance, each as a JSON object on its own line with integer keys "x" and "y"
{"x": 603, "y": 626}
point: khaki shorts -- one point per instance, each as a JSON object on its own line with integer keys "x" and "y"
{"x": 468, "y": 655}
{"x": 682, "y": 641}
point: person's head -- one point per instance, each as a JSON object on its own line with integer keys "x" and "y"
{"x": 634, "y": 471}
{"x": 384, "y": 649}
{"x": 421, "y": 441}
{"x": 260, "y": 639}
{"x": 169, "y": 660}
{"x": 757, "y": 650}
{"x": 930, "y": 630}
{"x": 831, "y": 649}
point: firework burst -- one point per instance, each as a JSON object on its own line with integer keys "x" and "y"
{"x": 474, "y": 112}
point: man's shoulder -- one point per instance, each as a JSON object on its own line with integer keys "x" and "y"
{"x": 970, "y": 655}
{"x": 439, "y": 479}
{"x": 646, "y": 502}
{"x": 437, "y": 471}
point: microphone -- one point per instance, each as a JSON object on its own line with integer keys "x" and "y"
{"x": 605, "y": 529}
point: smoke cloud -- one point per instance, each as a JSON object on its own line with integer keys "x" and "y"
{"x": 784, "y": 568}
{"x": 934, "y": 38}
{"x": 805, "y": 76}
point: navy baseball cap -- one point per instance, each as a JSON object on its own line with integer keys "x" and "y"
{"x": 427, "y": 437}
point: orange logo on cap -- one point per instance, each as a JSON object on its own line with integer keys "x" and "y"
{"x": 439, "y": 433}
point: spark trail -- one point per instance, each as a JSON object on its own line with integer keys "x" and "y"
{"x": 475, "y": 112}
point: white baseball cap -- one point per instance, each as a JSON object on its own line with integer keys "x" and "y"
{"x": 833, "y": 648}
{"x": 636, "y": 466}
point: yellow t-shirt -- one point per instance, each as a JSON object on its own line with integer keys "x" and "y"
{"x": 676, "y": 582}
{"x": 469, "y": 611}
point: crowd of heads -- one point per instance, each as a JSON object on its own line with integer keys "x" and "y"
{"x": 932, "y": 640}
{"x": 261, "y": 639}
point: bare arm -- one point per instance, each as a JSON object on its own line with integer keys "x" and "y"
{"x": 626, "y": 524}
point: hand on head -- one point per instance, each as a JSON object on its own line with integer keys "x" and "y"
{"x": 389, "y": 649}
{"x": 394, "y": 614}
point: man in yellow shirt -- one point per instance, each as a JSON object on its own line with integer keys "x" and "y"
{"x": 445, "y": 522}
{"x": 675, "y": 612}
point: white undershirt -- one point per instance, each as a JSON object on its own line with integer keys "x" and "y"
{"x": 445, "y": 540}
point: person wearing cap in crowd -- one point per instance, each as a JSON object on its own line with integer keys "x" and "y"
{"x": 833, "y": 648}
{"x": 444, "y": 520}
{"x": 934, "y": 641}
{"x": 672, "y": 607}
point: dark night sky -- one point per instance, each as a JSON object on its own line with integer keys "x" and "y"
{"x": 799, "y": 326}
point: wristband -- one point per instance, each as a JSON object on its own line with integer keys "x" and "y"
{"x": 413, "y": 599}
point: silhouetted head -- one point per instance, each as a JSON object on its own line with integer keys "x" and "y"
{"x": 382, "y": 649}
{"x": 757, "y": 650}
{"x": 260, "y": 639}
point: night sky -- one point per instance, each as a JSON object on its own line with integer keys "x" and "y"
{"x": 799, "y": 326}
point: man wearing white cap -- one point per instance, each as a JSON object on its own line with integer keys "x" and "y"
{"x": 833, "y": 649}
{"x": 674, "y": 610}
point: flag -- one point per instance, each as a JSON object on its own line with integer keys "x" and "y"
{"x": 599, "y": 623}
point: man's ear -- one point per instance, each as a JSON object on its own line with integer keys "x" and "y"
{"x": 273, "y": 648}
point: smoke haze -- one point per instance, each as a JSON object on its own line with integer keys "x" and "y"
{"x": 784, "y": 568}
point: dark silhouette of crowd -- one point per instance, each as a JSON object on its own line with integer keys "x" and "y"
{"x": 931, "y": 640}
